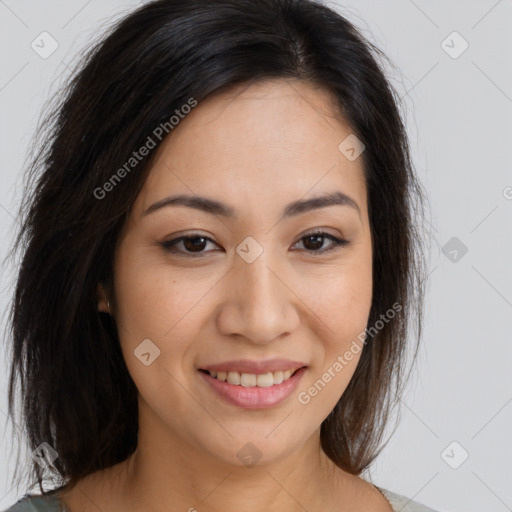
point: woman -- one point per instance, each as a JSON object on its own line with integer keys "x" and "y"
{"x": 219, "y": 264}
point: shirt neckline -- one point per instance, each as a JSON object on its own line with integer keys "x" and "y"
{"x": 54, "y": 496}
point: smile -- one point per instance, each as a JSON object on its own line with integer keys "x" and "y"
{"x": 253, "y": 391}
{"x": 248, "y": 380}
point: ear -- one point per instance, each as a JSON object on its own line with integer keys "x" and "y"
{"x": 102, "y": 299}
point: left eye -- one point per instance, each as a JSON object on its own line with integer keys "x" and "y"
{"x": 194, "y": 244}
{"x": 316, "y": 241}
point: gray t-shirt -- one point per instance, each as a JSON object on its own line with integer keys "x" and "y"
{"x": 400, "y": 503}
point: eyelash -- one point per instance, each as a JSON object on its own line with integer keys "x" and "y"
{"x": 169, "y": 245}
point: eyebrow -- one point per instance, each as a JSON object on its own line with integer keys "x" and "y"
{"x": 215, "y": 207}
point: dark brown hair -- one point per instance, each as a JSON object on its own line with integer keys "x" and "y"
{"x": 76, "y": 392}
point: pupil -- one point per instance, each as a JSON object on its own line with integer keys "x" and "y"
{"x": 188, "y": 242}
{"x": 316, "y": 238}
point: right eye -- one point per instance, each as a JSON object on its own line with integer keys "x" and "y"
{"x": 192, "y": 245}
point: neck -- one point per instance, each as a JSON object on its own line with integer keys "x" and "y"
{"x": 168, "y": 472}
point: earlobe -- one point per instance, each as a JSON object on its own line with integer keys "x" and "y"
{"x": 103, "y": 302}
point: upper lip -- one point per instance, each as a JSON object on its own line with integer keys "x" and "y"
{"x": 255, "y": 367}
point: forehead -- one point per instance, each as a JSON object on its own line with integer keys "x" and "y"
{"x": 272, "y": 141}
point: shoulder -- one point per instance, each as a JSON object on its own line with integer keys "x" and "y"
{"x": 36, "y": 503}
{"x": 404, "y": 504}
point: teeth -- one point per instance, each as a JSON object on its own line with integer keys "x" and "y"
{"x": 247, "y": 380}
{"x": 234, "y": 378}
{"x": 278, "y": 377}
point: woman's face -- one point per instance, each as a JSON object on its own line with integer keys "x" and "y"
{"x": 250, "y": 286}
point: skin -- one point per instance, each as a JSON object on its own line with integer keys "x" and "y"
{"x": 255, "y": 148}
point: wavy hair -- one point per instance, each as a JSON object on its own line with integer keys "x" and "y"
{"x": 76, "y": 392}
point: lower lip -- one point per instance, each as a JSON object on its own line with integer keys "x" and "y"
{"x": 254, "y": 397}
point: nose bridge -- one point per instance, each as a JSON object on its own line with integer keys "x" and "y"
{"x": 264, "y": 305}
{"x": 261, "y": 285}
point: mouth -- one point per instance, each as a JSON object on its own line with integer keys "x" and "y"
{"x": 247, "y": 380}
{"x": 252, "y": 390}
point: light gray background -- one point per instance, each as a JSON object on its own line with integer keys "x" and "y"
{"x": 460, "y": 123}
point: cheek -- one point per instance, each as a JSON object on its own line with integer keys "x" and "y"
{"x": 341, "y": 300}
{"x": 154, "y": 310}
{"x": 342, "y": 306}
{"x": 153, "y": 301}
{"x": 161, "y": 306}
{"x": 347, "y": 315}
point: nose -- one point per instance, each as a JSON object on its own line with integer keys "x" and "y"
{"x": 259, "y": 304}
